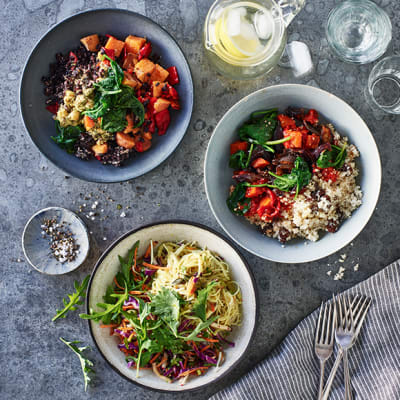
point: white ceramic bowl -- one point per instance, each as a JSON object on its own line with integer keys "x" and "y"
{"x": 217, "y": 173}
{"x": 108, "y": 266}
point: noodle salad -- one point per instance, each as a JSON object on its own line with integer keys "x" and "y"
{"x": 172, "y": 309}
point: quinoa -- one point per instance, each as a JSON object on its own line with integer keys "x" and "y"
{"x": 321, "y": 206}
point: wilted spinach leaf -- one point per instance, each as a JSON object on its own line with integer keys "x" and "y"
{"x": 332, "y": 158}
{"x": 237, "y": 202}
{"x": 67, "y": 136}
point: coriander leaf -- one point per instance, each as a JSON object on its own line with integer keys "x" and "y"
{"x": 237, "y": 201}
{"x": 200, "y": 327}
{"x": 75, "y": 299}
{"x": 86, "y": 364}
{"x": 199, "y": 306}
{"x": 165, "y": 338}
{"x": 110, "y": 311}
{"x": 108, "y": 296}
{"x": 166, "y": 305}
{"x": 67, "y": 136}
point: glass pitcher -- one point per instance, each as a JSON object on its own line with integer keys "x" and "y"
{"x": 245, "y": 39}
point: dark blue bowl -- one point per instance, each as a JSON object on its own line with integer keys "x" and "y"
{"x": 65, "y": 36}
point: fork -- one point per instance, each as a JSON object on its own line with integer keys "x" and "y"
{"x": 344, "y": 335}
{"x": 324, "y": 337}
{"x": 359, "y": 306}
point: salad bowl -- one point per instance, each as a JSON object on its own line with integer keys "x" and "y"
{"x": 60, "y": 39}
{"x": 217, "y": 173}
{"x": 108, "y": 265}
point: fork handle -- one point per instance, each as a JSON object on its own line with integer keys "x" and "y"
{"x": 331, "y": 377}
{"x": 321, "y": 379}
{"x": 347, "y": 383}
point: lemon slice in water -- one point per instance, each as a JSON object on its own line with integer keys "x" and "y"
{"x": 244, "y": 44}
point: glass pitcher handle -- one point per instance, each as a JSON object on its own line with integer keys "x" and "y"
{"x": 297, "y": 56}
{"x": 290, "y": 8}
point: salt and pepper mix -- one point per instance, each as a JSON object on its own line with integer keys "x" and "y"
{"x": 62, "y": 243}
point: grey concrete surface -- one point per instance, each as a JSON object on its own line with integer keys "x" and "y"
{"x": 35, "y": 364}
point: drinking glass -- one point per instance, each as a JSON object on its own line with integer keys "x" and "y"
{"x": 383, "y": 89}
{"x": 358, "y": 31}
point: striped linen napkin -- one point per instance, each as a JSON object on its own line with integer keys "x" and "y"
{"x": 292, "y": 371}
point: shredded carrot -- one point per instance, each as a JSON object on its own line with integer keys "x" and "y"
{"x": 206, "y": 348}
{"x": 130, "y": 307}
{"x": 211, "y": 340}
{"x": 115, "y": 281}
{"x": 109, "y": 326}
{"x": 190, "y": 371}
{"x": 212, "y": 307}
{"x": 152, "y": 266}
{"x": 111, "y": 331}
{"x": 147, "y": 254}
{"x": 135, "y": 292}
{"x": 154, "y": 358}
{"x": 162, "y": 360}
{"x": 185, "y": 363}
{"x": 132, "y": 335}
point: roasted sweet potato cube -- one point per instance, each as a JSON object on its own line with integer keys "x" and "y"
{"x": 115, "y": 44}
{"x": 158, "y": 88}
{"x": 130, "y": 80}
{"x": 159, "y": 74}
{"x": 143, "y": 69}
{"x": 130, "y": 61}
{"x": 91, "y": 42}
{"x": 134, "y": 44}
{"x": 161, "y": 104}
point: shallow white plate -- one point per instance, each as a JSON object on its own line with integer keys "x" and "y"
{"x": 108, "y": 266}
{"x": 217, "y": 173}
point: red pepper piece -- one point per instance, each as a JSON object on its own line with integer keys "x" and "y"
{"x": 269, "y": 206}
{"x": 173, "y": 77}
{"x": 238, "y": 145}
{"x": 145, "y": 51}
{"x": 110, "y": 53}
{"x": 259, "y": 163}
{"x": 53, "y": 108}
{"x": 74, "y": 58}
{"x": 286, "y": 122}
{"x": 312, "y": 117}
{"x": 175, "y": 105}
{"x": 163, "y": 119}
{"x": 254, "y": 192}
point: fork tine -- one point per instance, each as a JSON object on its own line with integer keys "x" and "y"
{"x": 334, "y": 323}
{"x": 328, "y": 325}
{"x": 318, "y": 324}
{"x": 363, "y": 316}
{"x": 354, "y": 306}
{"x": 361, "y": 310}
{"x": 341, "y": 319}
{"x": 351, "y": 314}
{"x": 324, "y": 323}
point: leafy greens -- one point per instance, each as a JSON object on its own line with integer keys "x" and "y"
{"x": 86, "y": 364}
{"x": 260, "y": 128}
{"x": 332, "y": 158}
{"x": 67, "y": 136}
{"x": 299, "y": 177}
{"x": 237, "y": 201}
{"x": 75, "y": 299}
{"x": 113, "y": 100}
{"x": 200, "y": 304}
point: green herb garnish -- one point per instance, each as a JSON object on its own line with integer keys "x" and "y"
{"x": 260, "y": 128}
{"x": 200, "y": 305}
{"x": 75, "y": 299}
{"x": 86, "y": 364}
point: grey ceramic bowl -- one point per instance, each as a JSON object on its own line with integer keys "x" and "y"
{"x": 65, "y": 36}
{"x": 36, "y": 247}
{"x": 218, "y": 174}
{"x": 108, "y": 266}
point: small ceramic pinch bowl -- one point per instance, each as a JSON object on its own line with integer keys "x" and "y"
{"x": 36, "y": 246}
